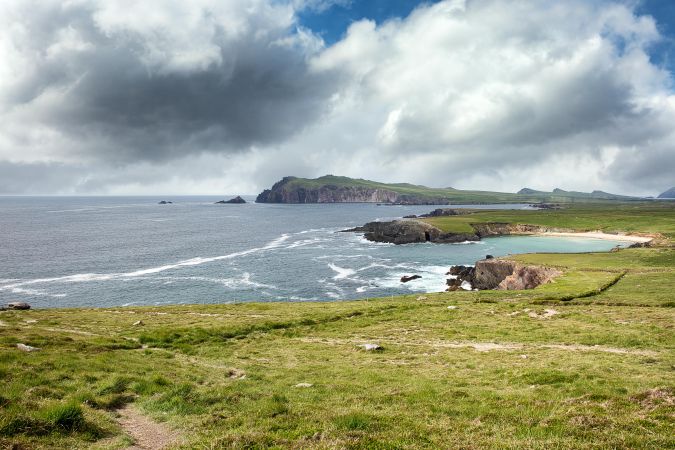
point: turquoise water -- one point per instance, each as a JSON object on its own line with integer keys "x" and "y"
{"x": 66, "y": 252}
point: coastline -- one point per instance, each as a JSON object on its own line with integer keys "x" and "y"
{"x": 598, "y": 235}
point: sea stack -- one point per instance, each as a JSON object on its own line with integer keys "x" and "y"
{"x": 236, "y": 200}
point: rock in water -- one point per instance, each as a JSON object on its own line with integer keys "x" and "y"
{"x": 236, "y": 200}
{"x": 406, "y": 278}
{"x": 164, "y": 202}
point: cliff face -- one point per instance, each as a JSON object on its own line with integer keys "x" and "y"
{"x": 409, "y": 232}
{"x": 327, "y": 194}
{"x": 288, "y": 190}
{"x": 503, "y": 275}
{"x": 339, "y": 194}
{"x": 503, "y": 229}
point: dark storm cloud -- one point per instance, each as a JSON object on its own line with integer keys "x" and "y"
{"x": 123, "y": 103}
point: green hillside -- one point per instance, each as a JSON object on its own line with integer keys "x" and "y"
{"x": 306, "y": 190}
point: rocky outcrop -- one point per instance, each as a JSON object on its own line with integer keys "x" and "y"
{"x": 442, "y": 212}
{"x": 295, "y": 190}
{"x": 164, "y": 202}
{"x": 500, "y": 275}
{"x": 527, "y": 277}
{"x": 406, "y": 278}
{"x": 235, "y": 200}
{"x": 488, "y": 273}
{"x": 502, "y": 229}
{"x": 408, "y": 232}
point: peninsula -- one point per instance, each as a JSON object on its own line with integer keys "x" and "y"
{"x": 337, "y": 189}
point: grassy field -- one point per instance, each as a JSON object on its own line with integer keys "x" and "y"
{"x": 585, "y": 362}
{"x": 639, "y": 217}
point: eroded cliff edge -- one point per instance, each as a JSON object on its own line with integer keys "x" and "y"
{"x": 500, "y": 274}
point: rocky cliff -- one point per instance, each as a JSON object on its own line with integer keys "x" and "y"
{"x": 409, "y": 232}
{"x": 289, "y": 190}
{"x": 505, "y": 229}
{"x": 501, "y": 274}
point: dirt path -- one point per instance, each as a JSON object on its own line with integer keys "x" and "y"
{"x": 485, "y": 346}
{"x": 147, "y": 434}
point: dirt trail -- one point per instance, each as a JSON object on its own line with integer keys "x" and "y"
{"x": 147, "y": 434}
{"x": 486, "y": 346}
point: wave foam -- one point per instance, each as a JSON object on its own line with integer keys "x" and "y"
{"x": 97, "y": 277}
{"x": 342, "y": 272}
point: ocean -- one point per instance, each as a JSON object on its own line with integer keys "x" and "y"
{"x": 120, "y": 251}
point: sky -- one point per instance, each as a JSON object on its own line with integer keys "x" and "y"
{"x": 120, "y": 97}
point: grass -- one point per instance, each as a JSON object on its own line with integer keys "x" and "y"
{"x": 491, "y": 373}
{"x": 649, "y": 218}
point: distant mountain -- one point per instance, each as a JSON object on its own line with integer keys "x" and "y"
{"x": 528, "y": 191}
{"x": 670, "y": 193}
{"x": 336, "y": 189}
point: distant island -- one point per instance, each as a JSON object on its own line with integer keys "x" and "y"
{"x": 235, "y": 200}
{"x": 337, "y": 189}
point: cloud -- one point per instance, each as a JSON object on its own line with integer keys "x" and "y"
{"x": 128, "y": 81}
{"x": 211, "y": 95}
{"x": 491, "y": 85}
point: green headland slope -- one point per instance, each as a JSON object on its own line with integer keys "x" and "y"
{"x": 336, "y": 189}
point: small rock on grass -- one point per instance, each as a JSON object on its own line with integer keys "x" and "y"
{"x": 138, "y": 323}
{"x": 27, "y": 348}
{"x": 303, "y": 385}
{"x": 371, "y": 347}
{"x": 453, "y": 307}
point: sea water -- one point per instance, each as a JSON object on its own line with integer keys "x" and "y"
{"x": 116, "y": 251}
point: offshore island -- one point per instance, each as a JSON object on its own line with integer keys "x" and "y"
{"x": 578, "y": 353}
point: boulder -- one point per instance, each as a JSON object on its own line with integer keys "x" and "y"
{"x": 164, "y": 202}
{"x": 27, "y": 348}
{"x": 406, "y": 278}
{"x": 371, "y": 347}
{"x": 18, "y": 306}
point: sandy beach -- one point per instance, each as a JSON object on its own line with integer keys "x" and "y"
{"x": 600, "y": 235}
